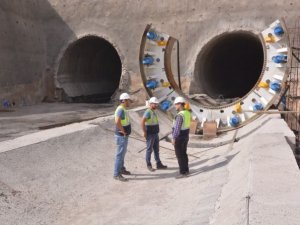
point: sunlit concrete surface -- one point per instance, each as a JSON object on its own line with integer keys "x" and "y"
{"x": 68, "y": 179}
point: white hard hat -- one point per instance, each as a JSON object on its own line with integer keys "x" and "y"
{"x": 179, "y": 100}
{"x": 153, "y": 100}
{"x": 124, "y": 96}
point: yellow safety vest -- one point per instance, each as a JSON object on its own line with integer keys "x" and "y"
{"x": 126, "y": 121}
{"x": 186, "y": 115}
{"x": 153, "y": 120}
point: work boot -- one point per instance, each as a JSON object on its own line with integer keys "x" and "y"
{"x": 150, "y": 168}
{"x": 181, "y": 175}
{"x": 120, "y": 178}
{"x": 125, "y": 172}
{"x": 160, "y": 166}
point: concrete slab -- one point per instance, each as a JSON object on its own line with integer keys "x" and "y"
{"x": 265, "y": 173}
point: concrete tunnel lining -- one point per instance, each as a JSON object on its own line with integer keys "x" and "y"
{"x": 89, "y": 70}
{"x": 229, "y": 65}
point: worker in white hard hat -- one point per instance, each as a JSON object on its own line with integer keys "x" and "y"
{"x": 122, "y": 131}
{"x": 181, "y": 129}
{"x": 150, "y": 127}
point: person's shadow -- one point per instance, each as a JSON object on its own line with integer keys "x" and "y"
{"x": 214, "y": 166}
{"x": 193, "y": 172}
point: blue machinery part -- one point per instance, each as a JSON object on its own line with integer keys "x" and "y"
{"x": 234, "y": 121}
{"x": 148, "y": 60}
{"x": 151, "y": 35}
{"x": 6, "y": 103}
{"x": 152, "y": 84}
{"x": 278, "y": 31}
{"x": 275, "y": 86}
{"x": 279, "y": 58}
{"x": 257, "y": 107}
{"x": 165, "y": 105}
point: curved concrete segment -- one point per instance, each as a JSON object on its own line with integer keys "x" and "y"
{"x": 237, "y": 74}
{"x": 68, "y": 179}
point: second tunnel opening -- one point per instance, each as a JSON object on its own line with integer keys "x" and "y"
{"x": 89, "y": 71}
{"x": 229, "y": 66}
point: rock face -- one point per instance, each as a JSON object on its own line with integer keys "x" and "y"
{"x": 28, "y": 44}
{"x": 35, "y": 35}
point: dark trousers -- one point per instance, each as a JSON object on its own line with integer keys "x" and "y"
{"x": 180, "y": 151}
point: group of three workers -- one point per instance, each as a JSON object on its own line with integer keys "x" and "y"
{"x": 150, "y": 126}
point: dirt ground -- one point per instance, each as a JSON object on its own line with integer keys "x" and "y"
{"x": 68, "y": 178}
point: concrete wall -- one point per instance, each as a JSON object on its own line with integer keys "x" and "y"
{"x": 22, "y": 62}
{"x": 26, "y": 34}
{"x": 32, "y": 47}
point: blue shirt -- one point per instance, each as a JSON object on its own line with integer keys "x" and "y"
{"x": 121, "y": 114}
{"x": 147, "y": 114}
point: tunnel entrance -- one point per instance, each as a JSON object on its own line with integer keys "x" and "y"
{"x": 89, "y": 71}
{"x": 228, "y": 67}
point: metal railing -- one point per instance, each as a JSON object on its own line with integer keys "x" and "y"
{"x": 291, "y": 95}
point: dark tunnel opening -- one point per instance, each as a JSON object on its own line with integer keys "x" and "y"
{"x": 89, "y": 71}
{"x": 229, "y": 66}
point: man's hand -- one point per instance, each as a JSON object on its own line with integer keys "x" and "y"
{"x": 123, "y": 132}
{"x": 173, "y": 141}
{"x": 143, "y": 125}
{"x": 119, "y": 125}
